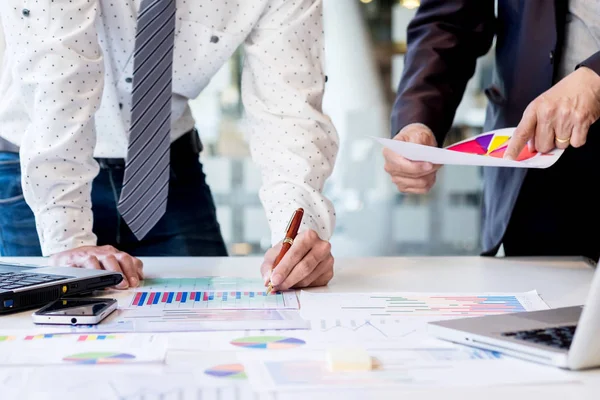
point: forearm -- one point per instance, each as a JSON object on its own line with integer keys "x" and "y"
{"x": 294, "y": 170}
{"x": 292, "y": 141}
{"x": 60, "y": 69}
{"x": 445, "y": 38}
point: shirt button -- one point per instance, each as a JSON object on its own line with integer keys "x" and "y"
{"x": 120, "y": 106}
{"x": 128, "y": 80}
{"x": 214, "y": 39}
{"x": 26, "y": 12}
{"x": 551, "y": 56}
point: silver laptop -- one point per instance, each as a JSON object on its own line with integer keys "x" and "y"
{"x": 23, "y": 286}
{"x": 563, "y": 337}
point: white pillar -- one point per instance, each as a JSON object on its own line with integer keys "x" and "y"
{"x": 355, "y": 101}
{"x": 2, "y": 44}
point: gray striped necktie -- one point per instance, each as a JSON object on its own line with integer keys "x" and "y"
{"x": 146, "y": 182}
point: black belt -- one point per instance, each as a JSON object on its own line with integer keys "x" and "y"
{"x": 189, "y": 144}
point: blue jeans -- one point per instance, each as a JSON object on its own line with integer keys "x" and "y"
{"x": 189, "y": 227}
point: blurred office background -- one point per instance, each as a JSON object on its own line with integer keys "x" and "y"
{"x": 365, "y": 42}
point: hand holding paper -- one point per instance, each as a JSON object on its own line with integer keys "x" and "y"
{"x": 487, "y": 149}
{"x": 412, "y": 176}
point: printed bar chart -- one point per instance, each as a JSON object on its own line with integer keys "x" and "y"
{"x": 235, "y": 300}
{"x": 204, "y": 284}
{"x": 90, "y": 338}
{"x": 38, "y": 337}
{"x": 442, "y": 306}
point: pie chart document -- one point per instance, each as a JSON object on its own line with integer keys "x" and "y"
{"x": 71, "y": 349}
{"x": 486, "y": 149}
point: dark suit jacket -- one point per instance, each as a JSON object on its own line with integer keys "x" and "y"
{"x": 444, "y": 41}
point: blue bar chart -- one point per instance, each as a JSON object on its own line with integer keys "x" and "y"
{"x": 235, "y": 300}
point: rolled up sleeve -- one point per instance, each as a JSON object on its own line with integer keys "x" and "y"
{"x": 294, "y": 143}
{"x": 59, "y": 67}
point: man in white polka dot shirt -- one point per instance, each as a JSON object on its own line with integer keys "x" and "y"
{"x": 66, "y": 116}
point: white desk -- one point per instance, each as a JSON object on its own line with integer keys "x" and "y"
{"x": 559, "y": 282}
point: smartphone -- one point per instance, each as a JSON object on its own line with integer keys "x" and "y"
{"x": 76, "y": 311}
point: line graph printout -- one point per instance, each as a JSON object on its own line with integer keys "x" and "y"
{"x": 417, "y": 305}
{"x": 379, "y": 331}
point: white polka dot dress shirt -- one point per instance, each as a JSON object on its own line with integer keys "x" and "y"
{"x": 65, "y": 96}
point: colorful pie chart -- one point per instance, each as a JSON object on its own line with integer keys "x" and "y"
{"x": 491, "y": 145}
{"x": 230, "y": 371}
{"x": 268, "y": 342}
{"x": 99, "y": 358}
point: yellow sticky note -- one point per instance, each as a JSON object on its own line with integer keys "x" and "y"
{"x": 349, "y": 360}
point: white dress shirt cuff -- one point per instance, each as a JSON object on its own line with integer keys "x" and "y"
{"x": 319, "y": 219}
{"x": 63, "y": 229}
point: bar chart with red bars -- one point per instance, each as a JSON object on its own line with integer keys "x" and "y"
{"x": 235, "y": 300}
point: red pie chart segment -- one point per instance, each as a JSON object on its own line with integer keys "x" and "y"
{"x": 471, "y": 147}
{"x": 525, "y": 154}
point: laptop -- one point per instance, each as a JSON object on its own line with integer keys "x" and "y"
{"x": 24, "y": 287}
{"x": 567, "y": 337}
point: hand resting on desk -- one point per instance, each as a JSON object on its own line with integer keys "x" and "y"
{"x": 103, "y": 257}
{"x": 308, "y": 263}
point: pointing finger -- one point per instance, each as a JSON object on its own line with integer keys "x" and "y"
{"x": 524, "y": 132}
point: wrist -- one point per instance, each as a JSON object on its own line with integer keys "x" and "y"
{"x": 591, "y": 80}
{"x": 591, "y": 77}
{"x": 416, "y": 125}
{"x": 419, "y": 133}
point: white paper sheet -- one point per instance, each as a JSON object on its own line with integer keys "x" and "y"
{"x": 187, "y": 320}
{"x": 251, "y": 341}
{"x": 415, "y": 306}
{"x": 399, "y": 369}
{"x": 263, "y": 343}
{"x": 115, "y": 349}
{"x": 12, "y": 380}
{"x": 123, "y": 383}
{"x": 215, "y": 320}
{"x": 417, "y": 152}
{"x": 373, "y": 333}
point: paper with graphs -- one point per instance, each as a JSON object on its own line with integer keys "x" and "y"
{"x": 486, "y": 149}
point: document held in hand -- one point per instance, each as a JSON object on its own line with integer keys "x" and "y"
{"x": 486, "y": 149}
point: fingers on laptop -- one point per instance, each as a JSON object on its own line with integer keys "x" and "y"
{"x": 104, "y": 257}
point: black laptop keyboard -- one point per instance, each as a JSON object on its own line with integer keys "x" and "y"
{"x": 18, "y": 280}
{"x": 560, "y": 336}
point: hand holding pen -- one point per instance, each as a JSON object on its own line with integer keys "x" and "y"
{"x": 301, "y": 260}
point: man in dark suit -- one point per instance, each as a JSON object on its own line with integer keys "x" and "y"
{"x": 546, "y": 82}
